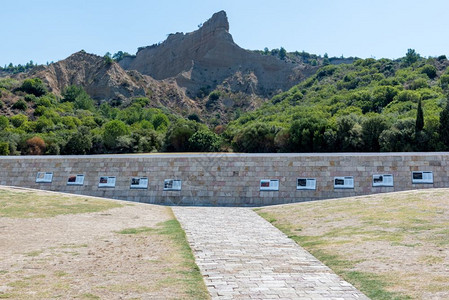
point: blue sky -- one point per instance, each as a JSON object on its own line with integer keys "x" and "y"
{"x": 50, "y": 30}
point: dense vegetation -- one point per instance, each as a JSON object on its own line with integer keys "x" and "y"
{"x": 369, "y": 105}
{"x": 42, "y": 123}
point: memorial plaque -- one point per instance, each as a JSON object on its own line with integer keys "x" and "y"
{"x": 107, "y": 182}
{"x": 346, "y": 182}
{"x": 44, "y": 177}
{"x": 139, "y": 183}
{"x": 269, "y": 185}
{"x": 422, "y": 177}
{"x": 383, "y": 180}
{"x": 76, "y": 180}
{"x": 172, "y": 185}
{"x": 306, "y": 184}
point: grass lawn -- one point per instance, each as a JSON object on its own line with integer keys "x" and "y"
{"x": 390, "y": 246}
{"x": 75, "y": 247}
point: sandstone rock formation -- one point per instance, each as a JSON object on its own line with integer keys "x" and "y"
{"x": 208, "y": 57}
{"x": 181, "y": 72}
{"x": 100, "y": 79}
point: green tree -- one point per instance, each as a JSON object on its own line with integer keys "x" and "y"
{"x": 372, "y": 128}
{"x": 112, "y": 131}
{"x": 256, "y": 138}
{"x": 20, "y": 105}
{"x": 78, "y": 96}
{"x": 80, "y": 142}
{"x": 179, "y": 133}
{"x": 4, "y": 148}
{"x": 411, "y": 57}
{"x": 34, "y": 86}
{"x": 349, "y": 134}
{"x": 282, "y": 53}
{"x": 306, "y": 135}
{"x": 443, "y": 128}
{"x": 204, "y": 141}
{"x": 160, "y": 121}
{"x": 4, "y": 122}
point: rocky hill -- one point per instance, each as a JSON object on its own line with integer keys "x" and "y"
{"x": 180, "y": 73}
{"x": 208, "y": 57}
{"x": 100, "y": 79}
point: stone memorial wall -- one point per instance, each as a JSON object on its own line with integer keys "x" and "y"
{"x": 228, "y": 179}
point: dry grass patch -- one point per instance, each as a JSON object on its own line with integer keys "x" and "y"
{"x": 108, "y": 250}
{"x": 390, "y": 246}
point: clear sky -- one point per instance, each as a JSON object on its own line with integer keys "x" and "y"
{"x": 50, "y": 30}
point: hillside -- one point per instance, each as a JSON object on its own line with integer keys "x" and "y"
{"x": 370, "y": 105}
{"x": 200, "y": 91}
{"x": 208, "y": 58}
{"x": 179, "y": 73}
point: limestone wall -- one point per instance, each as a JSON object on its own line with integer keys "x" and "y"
{"x": 226, "y": 179}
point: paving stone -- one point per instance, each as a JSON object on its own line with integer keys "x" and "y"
{"x": 242, "y": 256}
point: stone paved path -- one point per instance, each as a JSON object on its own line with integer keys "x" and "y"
{"x": 242, "y": 256}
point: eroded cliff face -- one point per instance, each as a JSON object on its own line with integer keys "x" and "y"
{"x": 100, "y": 79}
{"x": 208, "y": 57}
{"x": 180, "y": 73}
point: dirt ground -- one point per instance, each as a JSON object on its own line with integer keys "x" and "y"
{"x": 399, "y": 241}
{"x": 116, "y": 253}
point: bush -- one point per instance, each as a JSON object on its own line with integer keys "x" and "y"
{"x": 78, "y": 96}
{"x": 4, "y": 122}
{"x": 36, "y": 146}
{"x": 112, "y": 131}
{"x": 160, "y": 121}
{"x": 204, "y": 141}
{"x": 21, "y": 105}
{"x": 419, "y": 83}
{"x": 444, "y": 81}
{"x": 429, "y": 70}
{"x": 4, "y": 148}
{"x": 179, "y": 133}
{"x": 30, "y": 98}
{"x": 34, "y": 86}
{"x": 256, "y": 138}
{"x": 18, "y": 120}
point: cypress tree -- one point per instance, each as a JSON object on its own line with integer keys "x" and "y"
{"x": 443, "y": 129}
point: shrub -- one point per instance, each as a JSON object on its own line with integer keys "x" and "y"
{"x": 36, "y": 146}
{"x": 4, "y": 148}
{"x": 21, "y": 105}
{"x": 112, "y": 131}
{"x": 30, "y": 98}
{"x": 419, "y": 84}
{"x": 18, "y": 120}
{"x": 444, "y": 81}
{"x": 255, "y": 138}
{"x": 160, "y": 121}
{"x": 429, "y": 70}
{"x": 204, "y": 141}
{"x": 33, "y": 86}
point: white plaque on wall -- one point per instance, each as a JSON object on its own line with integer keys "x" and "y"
{"x": 107, "y": 182}
{"x": 346, "y": 182}
{"x": 306, "y": 184}
{"x": 383, "y": 180}
{"x": 422, "y": 177}
{"x": 172, "y": 185}
{"x": 269, "y": 185}
{"x": 75, "y": 180}
{"x": 139, "y": 183}
{"x": 44, "y": 177}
